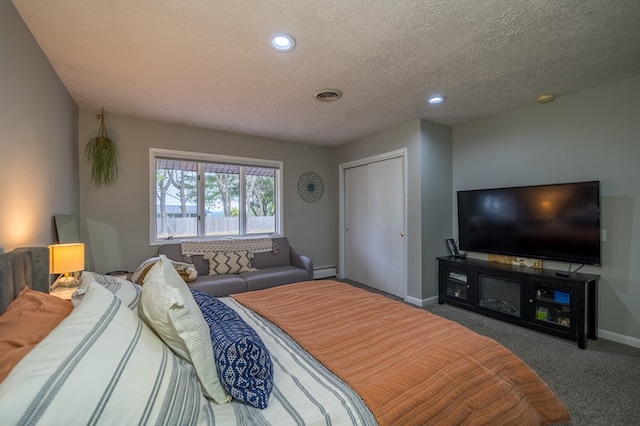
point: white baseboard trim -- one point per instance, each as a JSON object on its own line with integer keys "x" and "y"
{"x": 421, "y": 302}
{"x": 324, "y": 272}
{"x": 619, "y": 338}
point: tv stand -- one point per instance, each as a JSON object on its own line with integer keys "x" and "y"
{"x": 554, "y": 302}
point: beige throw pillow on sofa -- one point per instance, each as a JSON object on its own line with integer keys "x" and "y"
{"x": 168, "y": 307}
{"x": 187, "y": 271}
{"x": 230, "y": 262}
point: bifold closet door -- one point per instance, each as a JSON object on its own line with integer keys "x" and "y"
{"x": 375, "y": 247}
{"x": 356, "y": 195}
{"x": 387, "y": 264}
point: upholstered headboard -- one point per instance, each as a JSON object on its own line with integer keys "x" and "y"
{"x": 22, "y": 267}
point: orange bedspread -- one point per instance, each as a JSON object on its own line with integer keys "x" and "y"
{"x": 409, "y": 366}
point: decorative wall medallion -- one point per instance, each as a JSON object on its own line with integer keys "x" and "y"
{"x": 310, "y": 187}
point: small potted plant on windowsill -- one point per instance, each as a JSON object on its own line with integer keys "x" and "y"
{"x": 102, "y": 153}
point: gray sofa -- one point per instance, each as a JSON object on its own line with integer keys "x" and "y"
{"x": 284, "y": 267}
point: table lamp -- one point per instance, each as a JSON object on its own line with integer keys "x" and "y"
{"x": 65, "y": 259}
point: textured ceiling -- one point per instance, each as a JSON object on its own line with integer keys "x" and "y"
{"x": 208, "y": 63}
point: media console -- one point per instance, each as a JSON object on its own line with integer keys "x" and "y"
{"x": 554, "y": 302}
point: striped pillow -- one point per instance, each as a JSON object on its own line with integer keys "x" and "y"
{"x": 102, "y": 365}
{"x": 125, "y": 290}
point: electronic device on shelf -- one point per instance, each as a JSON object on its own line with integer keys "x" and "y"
{"x": 453, "y": 248}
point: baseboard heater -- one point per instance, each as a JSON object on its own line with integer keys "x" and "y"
{"x": 324, "y": 272}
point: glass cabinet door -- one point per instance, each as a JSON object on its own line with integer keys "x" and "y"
{"x": 458, "y": 285}
{"x": 551, "y": 305}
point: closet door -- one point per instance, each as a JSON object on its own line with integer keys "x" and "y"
{"x": 387, "y": 264}
{"x": 356, "y": 207}
{"x": 374, "y": 218}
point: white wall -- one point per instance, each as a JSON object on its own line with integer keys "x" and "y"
{"x": 38, "y": 130}
{"x": 115, "y": 220}
{"x": 591, "y": 135}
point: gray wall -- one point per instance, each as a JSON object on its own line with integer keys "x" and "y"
{"x": 436, "y": 190}
{"x": 115, "y": 220}
{"x": 591, "y": 135}
{"x": 38, "y": 130}
{"x": 428, "y": 183}
{"x": 404, "y": 136}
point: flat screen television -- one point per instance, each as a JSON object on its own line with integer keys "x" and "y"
{"x": 556, "y": 222}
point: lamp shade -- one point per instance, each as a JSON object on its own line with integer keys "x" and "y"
{"x": 65, "y": 258}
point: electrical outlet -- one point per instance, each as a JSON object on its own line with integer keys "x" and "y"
{"x": 603, "y": 235}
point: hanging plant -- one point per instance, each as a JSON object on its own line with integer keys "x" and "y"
{"x": 102, "y": 153}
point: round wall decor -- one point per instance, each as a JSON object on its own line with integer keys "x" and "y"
{"x": 310, "y": 187}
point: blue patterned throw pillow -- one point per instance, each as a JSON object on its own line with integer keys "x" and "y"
{"x": 244, "y": 364}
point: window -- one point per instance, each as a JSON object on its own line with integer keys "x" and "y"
{"x": 207, "y": 196}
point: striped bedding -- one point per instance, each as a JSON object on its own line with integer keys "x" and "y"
{"x": 103, "y": 366}
{"x": 305, "y": 392}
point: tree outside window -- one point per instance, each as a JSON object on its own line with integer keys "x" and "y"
{"x": 195, "y": 199}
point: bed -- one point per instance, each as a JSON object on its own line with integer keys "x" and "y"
{"x": 334, "y": 354}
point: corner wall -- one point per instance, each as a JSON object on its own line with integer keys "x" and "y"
{"x": 38, "y": 133}
{"x": 437, "y": 198}
{"x": 590, "y": 135}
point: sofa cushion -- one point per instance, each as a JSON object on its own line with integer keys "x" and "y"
{"x": 282, "y": 257}
{"x": 220, "y": 285}
{"x": 264, "y": 278}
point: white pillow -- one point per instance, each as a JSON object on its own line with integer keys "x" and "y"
{"x": 102, "y": 365}
{"x": 168, "y": 307}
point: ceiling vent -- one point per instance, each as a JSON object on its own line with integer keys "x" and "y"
{"x": 328, "y": 95}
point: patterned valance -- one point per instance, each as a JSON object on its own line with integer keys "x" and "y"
{"x": 255, "y": 245}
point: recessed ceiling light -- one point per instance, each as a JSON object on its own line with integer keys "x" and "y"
{"x": 436, "y": 100}
{"x": 282, "y": 42}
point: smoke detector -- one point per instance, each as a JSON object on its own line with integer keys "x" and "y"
{"x": 328, "y": 95}
{"x": 546, "y": 98}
